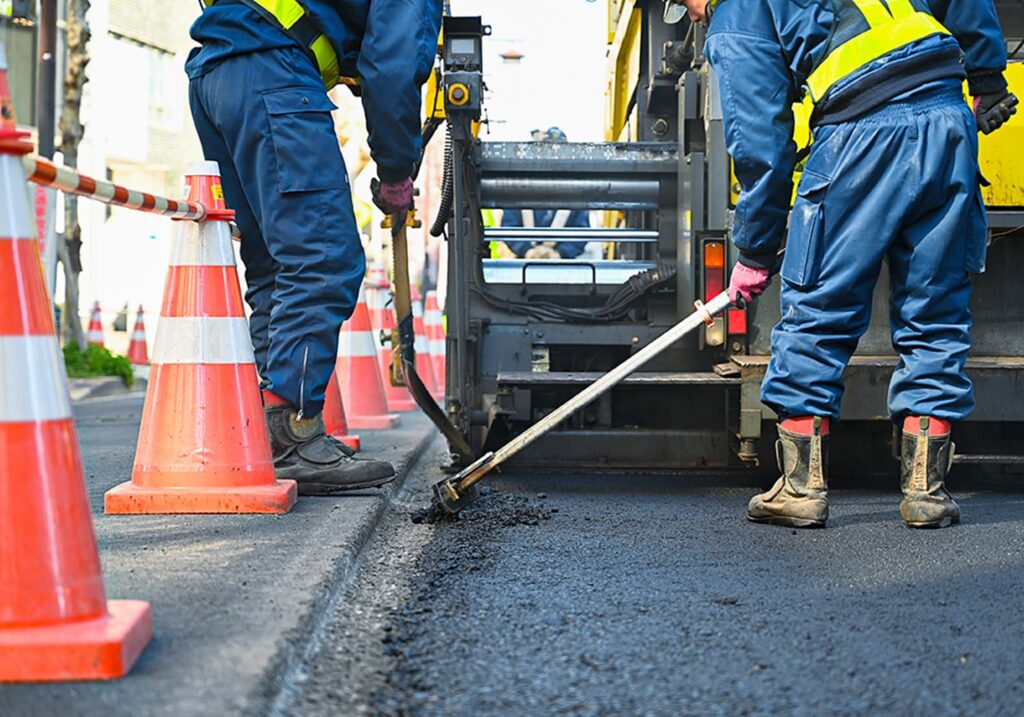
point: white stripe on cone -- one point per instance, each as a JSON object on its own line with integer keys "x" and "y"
{"x": 209, "y": 246}
{"x": 198, "y": 340}
{"x": 14, "y": 221}
{"x": 32, "y": 382}
{"x": 138, "y": 335}
{"x": 356, "y": 344}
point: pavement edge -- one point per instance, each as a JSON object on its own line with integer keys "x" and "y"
{"x": 295, "y": 644}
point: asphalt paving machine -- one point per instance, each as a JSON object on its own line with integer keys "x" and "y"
{"x": 524, "y": 336}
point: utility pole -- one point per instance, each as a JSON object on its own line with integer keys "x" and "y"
{"x": 46, "y": 95}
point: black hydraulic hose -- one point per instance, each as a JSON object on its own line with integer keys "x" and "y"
{"x": 447, "y": 187}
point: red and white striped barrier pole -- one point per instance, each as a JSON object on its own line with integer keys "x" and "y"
{"x": 45, "y": 172}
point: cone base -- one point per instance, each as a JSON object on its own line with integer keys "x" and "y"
{"x": 100, "y": 649}
{"x": 401, "y": 406}
{"x": 128, "y": 498}
{"x": 348, "y": 439}
{"x": 373, "y": 423}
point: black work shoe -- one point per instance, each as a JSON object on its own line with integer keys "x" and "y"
{"x": 924, "y": 463}
{"x": 321, "y": 465}
{"x": 799, "y": 499}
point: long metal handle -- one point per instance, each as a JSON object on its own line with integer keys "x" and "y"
{"x": 715, "y": 306}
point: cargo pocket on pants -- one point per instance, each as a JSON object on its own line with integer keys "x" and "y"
{"x": 977, "y": 235}
{"x": 305, "y": 144}
{"x": 806, "y": 230}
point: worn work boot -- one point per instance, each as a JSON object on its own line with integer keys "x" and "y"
{"x": 925, "y": 461}
{"x": 799, "y": 499}
{"x": 321, "y": 465}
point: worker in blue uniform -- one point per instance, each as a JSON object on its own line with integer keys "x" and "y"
{"x": 557, "y": 219}
{"x": 258, "y": 92}
{"x": 892, "y": 175}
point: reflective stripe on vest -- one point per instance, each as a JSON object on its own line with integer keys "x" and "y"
{"x": 291, "y": 17}
{"x": 560, "y": 220}
{"x": 890, "y": 28}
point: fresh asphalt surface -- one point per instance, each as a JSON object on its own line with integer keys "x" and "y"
{"x": 578, "y": 595}
{"x": 589, "y": 595}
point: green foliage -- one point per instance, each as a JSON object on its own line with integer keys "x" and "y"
{"x": 96, "y": 361}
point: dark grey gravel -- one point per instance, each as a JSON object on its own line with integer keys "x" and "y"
{"x": 653, "y": 596}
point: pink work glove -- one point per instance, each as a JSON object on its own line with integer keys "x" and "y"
{"x": 393, "y": 197}
{"x": 747, "y": 283}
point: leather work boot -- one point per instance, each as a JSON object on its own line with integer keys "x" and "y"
{"x": 799, "y": 499}
{"x": 924, "y": 463}
{"x": 321, "y": 465}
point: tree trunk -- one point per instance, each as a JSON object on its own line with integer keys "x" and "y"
{"x": 71, "y": 130}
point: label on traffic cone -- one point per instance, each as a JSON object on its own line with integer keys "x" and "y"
{"x": 362, "y": 390}
{"x": 335, "y": 421}
{"x": 203, "y": 444}
{"x": 55, "y": 620}
{"x": 424, "y": 364}
{"x": 94, "y": 334}
{"x": 435, "y": 339}
{"x": 398, "y": 397}
{"x": 138, "y": 353}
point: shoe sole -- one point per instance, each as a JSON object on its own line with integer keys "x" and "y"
{"x": 322, "y": 489}
{"x": 786, "y": 522}
{"x": 934, "y": 524}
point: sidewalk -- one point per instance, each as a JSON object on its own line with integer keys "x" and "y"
{"x": 234, "y": 598}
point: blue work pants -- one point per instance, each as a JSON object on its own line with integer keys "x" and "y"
{"x": 265, "y": 118}
{"x": 899, "y": 185}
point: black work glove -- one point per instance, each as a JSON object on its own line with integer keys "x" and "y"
{"x": 994, "y": 110}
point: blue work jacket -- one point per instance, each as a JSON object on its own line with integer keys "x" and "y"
{"x": 388, "y": 44}
{"x": 762, "y": 52}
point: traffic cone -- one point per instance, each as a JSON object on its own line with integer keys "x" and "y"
{"x": 55, "y": 620}
{"x": 138, "y": 353}
{"x": 203, "y": 444}
{"x": 362, "y": 390}
{"x": 382, "y": 319}
{"x": 424, "y": 364}
{"x": 435, "y": 339}
{"x": 334, "y": 415}
{"x": 94, "y": 334}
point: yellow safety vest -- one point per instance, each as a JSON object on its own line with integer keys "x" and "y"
{"x": 889, "y": 28}
{"x": 292, "y": 18}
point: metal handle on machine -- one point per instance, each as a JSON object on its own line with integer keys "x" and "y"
{"x": 705, "y": 313}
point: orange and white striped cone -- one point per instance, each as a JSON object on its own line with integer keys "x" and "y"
{"x": 94, "y": 334}
{"x": 138, "y": 353}
{"x": 362, "y": 390}
{"x": 335, "y": 421}
{"x": 424, "y": 364}
{"x": 203, "y": 444}
{"x": 55, "y": 620}
{"x": 434, "y": 324}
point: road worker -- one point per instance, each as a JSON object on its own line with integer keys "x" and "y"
{"x": 557, "y": 219}
{"x": 258, "y": 92}
{"x": 892, "y": 175}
